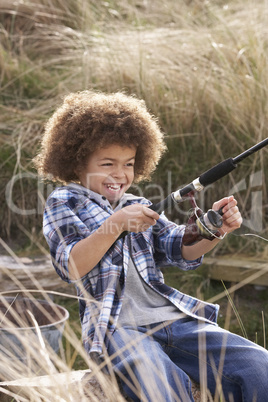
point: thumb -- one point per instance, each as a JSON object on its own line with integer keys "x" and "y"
{"x": 149, "y": 212}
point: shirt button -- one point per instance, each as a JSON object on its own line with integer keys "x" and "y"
{"x": 104, "y": 198}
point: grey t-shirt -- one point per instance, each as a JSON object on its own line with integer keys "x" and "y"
{"x": 143, "y": 305}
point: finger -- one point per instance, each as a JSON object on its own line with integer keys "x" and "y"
{"x": 221, "y": 203}
{"x": 132, "y": 210}
{"x": 228, "y": 212}
{"x": 234, "y": 221}
{"x": 149, "y": 221}
{"x": 224, "y": 204}
{"x": 150, "y": 213}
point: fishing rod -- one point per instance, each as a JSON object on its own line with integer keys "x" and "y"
{"x": 210, "y": 176}
{"x": 202, "y": 225}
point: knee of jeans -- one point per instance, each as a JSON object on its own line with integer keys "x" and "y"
{"x": 257, "y": 365}
{"x": 127, "y": 356}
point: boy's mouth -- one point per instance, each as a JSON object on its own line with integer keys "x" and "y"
{"x": 114, "y": 187}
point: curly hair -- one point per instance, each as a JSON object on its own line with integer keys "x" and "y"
{"x": 88, "y": 121}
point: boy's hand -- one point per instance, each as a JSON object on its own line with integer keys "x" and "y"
{"x": 232, "y": 218}
{"x": 137, "y": 218}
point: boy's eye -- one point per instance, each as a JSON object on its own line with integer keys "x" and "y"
{"x": 128, "y": 164}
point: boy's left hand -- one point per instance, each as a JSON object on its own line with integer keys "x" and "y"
{"x": 232, "y": 218}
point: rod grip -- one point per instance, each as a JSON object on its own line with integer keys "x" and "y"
{"x": 217, "y": 172}
{"x": 162, "y": 205}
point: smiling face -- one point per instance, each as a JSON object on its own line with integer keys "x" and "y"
{"x": 110, "y": 171}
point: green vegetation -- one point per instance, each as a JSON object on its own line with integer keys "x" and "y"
{"x": 234, "y": 308}
{"x": 201, "y": 67}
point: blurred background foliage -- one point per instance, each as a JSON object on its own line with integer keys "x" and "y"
{"x": 201, "y": 67}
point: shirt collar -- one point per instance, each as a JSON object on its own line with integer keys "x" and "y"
{"x": 100, "y": 199}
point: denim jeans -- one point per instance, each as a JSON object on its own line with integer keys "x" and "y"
{"x": 156, "y": 362}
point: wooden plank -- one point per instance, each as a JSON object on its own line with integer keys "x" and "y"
{"x": 73, "y": 378}
{"x": 52, "y": 380}
{"x": 26, "y": 273}
{"x": 234, "y": 270}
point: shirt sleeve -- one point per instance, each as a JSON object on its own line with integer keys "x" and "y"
{"x": 168, "y": 242}
{"x": 62, "y": 229}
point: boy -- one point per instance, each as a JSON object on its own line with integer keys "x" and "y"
{"x": 157, "y": 338}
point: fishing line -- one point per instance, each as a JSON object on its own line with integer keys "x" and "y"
{"x": 250, "y": 234}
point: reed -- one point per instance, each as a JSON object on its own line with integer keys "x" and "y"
{"x": 201, "y": 68}
{"x": 34, "y": 371}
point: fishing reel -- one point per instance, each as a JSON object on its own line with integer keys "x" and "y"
{"x": 202, "y": 225}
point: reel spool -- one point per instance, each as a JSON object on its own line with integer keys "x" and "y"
{"x": 202, "y": 225}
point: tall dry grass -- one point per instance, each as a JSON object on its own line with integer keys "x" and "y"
{"x": 34, "y": 371}
{"x": 201, "y": 68}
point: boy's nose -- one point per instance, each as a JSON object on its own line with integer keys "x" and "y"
{"x": 118, "y": 172}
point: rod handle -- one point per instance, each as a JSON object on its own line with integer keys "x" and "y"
{"x": 162, "y": 205}
{"x": 217, "y": 172}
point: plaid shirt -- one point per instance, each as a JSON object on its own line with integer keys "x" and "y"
{"x": 72, "y": 213}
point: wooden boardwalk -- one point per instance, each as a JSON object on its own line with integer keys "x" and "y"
{"x": 238, "y": 270}
{"x": 38, "y": 273}
{"x": 26, "y": 273}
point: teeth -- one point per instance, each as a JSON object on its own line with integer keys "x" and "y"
{"x": 114, "y": 187}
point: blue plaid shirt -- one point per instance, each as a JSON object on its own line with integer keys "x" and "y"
{"x": 72, "y": 213}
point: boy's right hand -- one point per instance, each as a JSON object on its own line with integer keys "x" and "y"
{"x": 133, "y": 218}
{"x": 137, "y": 218}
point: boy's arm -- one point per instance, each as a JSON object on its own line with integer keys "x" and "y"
{"x": 86, "y": 253}
{"x": 231, "y": 220}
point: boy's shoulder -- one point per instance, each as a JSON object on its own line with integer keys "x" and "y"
{"x": 73, "y": 196}
{"x": 64, "y": 193}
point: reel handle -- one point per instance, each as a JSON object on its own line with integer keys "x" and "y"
{"x": 220, "y": 211}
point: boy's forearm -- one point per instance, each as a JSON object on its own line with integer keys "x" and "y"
{"x": 86, "y": 254}
{"x": 197, "y": 250}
